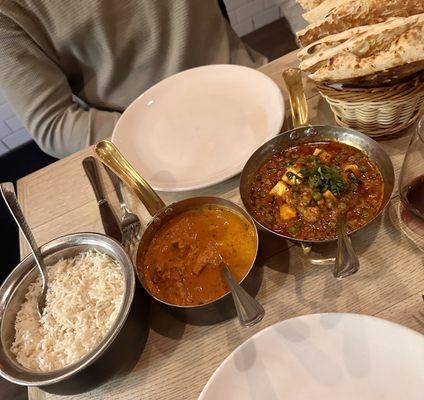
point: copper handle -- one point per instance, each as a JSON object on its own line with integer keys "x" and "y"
{"x": 110, "y": 155}
{"x": 299, "y": 107}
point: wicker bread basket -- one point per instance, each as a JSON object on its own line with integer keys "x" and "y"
{"x": 377, "y": 112}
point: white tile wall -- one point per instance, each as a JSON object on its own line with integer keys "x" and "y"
{"x": 292, "y": 11}
{"x": 266, "y": 17}
{"x": 249, "y": 9}
{"x": 17, "y": 139}
{"x": 5, "y": 111}
{"x": 4, "y": 130}
{"x": 12, "y": 133}
{"x": 244, "y": 27}
{"x": 3, "y": 149}
{"x": 249, "y": 15}
{"x": 233, "y": 4}
{"x": 13, "y": 123}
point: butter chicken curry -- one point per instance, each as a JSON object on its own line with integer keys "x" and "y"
{"x": 182, "y": 265}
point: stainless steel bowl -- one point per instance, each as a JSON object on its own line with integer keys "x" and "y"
{"x": 119, "y": 350}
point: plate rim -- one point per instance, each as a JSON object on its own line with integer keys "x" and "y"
{"x": 238, "y": 168}
{"x": 268, "y": 328}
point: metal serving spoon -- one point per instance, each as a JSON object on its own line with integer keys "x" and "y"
{"x": 249, "y": 310}
{"x": 8, "y": 193}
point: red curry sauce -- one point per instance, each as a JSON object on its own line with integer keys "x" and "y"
{"x": 300, "y": 191}
{"x": 182, "y": 265}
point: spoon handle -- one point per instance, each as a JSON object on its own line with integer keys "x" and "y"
{"x": 8, "y": 193}
{"x": 347, "y": 262}
{"x": 249, "y": 310}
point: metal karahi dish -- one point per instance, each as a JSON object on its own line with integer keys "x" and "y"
{"x": 116, "y": 353}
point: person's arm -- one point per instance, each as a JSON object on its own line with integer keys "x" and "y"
{"x": 39, "y": 93}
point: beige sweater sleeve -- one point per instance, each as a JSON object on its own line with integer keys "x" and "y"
{"x": 39, "y": 93}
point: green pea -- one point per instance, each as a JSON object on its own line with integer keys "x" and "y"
{"x": 293, "y": 229}
{"x": 316, "y": 196}
{"x": 342, "y": 206}
{"x": 363, "y": 168}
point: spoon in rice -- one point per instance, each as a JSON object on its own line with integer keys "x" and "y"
{"x": 8, "y": 193}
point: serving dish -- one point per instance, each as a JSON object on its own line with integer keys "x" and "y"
{"x": 186, "y": 131}
{"x": 324, "y": 356}
{"x": 305, "y": 133}
{"x": 208, "y": 313}
{"x": 116, "y": 354}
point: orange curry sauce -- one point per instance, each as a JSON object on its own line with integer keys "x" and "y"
{"x": 182, "y": 264}
{"x": 300, "y": 191}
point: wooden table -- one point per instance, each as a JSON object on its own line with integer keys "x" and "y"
{"x": 179, "y": 359}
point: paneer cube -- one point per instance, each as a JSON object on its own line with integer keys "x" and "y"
{"x": 287, "y": 212}
{"x": 329, "y": 195}
{"x": 292, "y": 175}
{"x": 310, "y": 214}
{"x": 317, "y": 152}
{"x": 325, "y": 156}
{"x": 279, "y": 190}
{"x": 353, "y": 168}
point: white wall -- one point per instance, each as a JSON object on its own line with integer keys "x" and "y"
{"x": 249, "y": 15}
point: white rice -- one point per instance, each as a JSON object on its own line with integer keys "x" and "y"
{"x": 83, "y": 299}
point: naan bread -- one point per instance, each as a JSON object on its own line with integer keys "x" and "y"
{"x": 334, "y": 16}
{"x": 377, "y": 53}
{"x": 309, "y": 4}
{"x": 321, "y": 10}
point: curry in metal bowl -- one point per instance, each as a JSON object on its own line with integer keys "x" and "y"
{"x": 183, "y": 262}
{"x": 300, "y": 191}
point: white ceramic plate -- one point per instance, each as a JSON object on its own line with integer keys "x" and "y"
{"x": 324, "y": 356}
{"x": 198, "y": 127}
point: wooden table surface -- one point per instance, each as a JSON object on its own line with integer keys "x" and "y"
{"x": 179, "y": 358}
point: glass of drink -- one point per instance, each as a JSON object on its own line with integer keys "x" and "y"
{"x": 411, "y": 179}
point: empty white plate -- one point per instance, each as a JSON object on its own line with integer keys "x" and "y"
{"x": 324, "y": 356}
{"x": 198, "y": 127}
